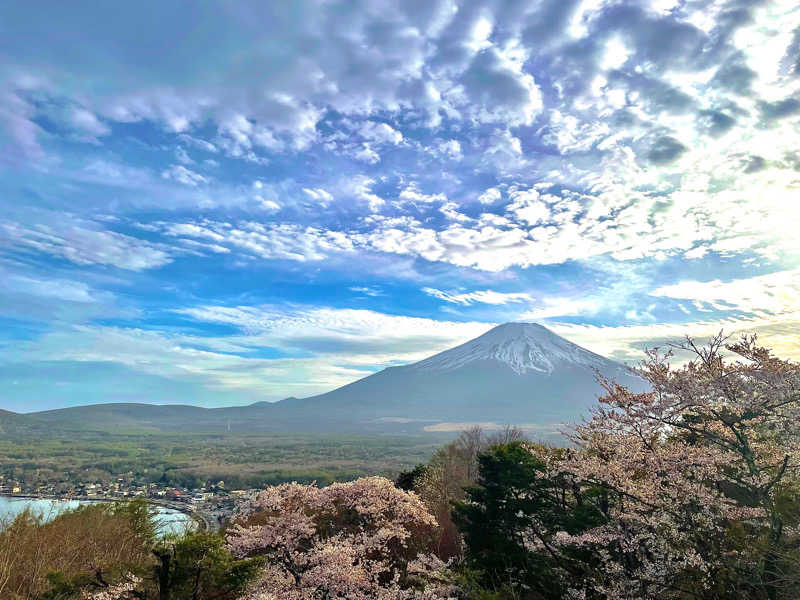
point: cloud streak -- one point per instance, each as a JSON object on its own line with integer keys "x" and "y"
{"x": 83, "y": 245}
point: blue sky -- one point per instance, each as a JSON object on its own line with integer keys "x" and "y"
{"x": 219, "y": 203}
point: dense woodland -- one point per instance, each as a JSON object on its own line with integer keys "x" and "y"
{"x": 62, "y": 459}
{"x": 691, "y": 491}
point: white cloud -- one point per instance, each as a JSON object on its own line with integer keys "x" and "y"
{"x": 412, "y": 194}
{"x": 58, "y": 289}
{"x": 490, "y": 196}
{"x": 505, "y": 148}
{"x": 526, "y": 206}
{"x": 451, "y": 148}
{"x": 366, "y": 154}
{"x": 269, "y": 205}
{"x": 207, "y": 361}
{"x": 479, "y": 296}
{"x": 198, "y": 143}
{"x": 372, "y": 292}
{"x": 87, "y": 123}
{"x": 380, "y": 133}
{"x": 345, "y": 345}
{"x": 363, "y": 336}
{"x": 616, "y": 54}
{"x": 17, "y": 127}
{"x": 387, "y": 59}
{"x": 471, "y": 65}
{"x": 628, "y": 342}
{"x": 550, "y": 307}
{"x": 239, "y": 136}
{"x": 497, "y": 89}
{"x": 320, "y": 195}
{"x": 767, "y": 295}
{"x": 488, "y": 248}
{"x": 182, "y": 156}
{"x": 183, "y": 175}
{"x": 80, "y": 244}
{"x": 192, "y": 230}
{"x": 269, "y": 241}
{"x": 539, "y": 227}
{"x": 450, "y": 210}
{"x": 360, "y": 187}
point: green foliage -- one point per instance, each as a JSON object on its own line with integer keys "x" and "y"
{"x": 59, "y": 461}
{"x": 471, "y": 585}
{"x": 194, "y": 566}
{"x": 496, "y": 520}
{"x": 199, "y": 567}
{"x": 141, "y": 516}
{"x": 407, "y": 480}
{"x": 63, "y": 587}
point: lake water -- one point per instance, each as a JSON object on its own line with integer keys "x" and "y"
{"x": 168, "y": 520}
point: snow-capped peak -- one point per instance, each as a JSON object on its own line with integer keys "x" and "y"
{"x": 522, "y": 346}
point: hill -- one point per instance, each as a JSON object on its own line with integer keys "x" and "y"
{"x": 14, "y": 425}
{"x": 519, "y": 373}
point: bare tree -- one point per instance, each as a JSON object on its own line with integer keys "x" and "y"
{"x": 506, "y": 435}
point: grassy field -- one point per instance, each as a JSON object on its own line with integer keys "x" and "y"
{"x": 242, "y": 461}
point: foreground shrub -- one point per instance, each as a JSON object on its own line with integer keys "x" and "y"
{"x": 73, "y": 547}
{"x": 198, "y": 566}
{"x": 361, "y": 540}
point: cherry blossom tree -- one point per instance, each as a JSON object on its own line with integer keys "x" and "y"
{"x": 700, "y": 478}
{"x": 127, "y": 589}
{"x": 359, "y": 540}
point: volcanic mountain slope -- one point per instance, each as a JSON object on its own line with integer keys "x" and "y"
{"x": 517, "y": 373}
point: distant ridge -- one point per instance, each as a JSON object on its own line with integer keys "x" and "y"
{"x": 518, "y": 373}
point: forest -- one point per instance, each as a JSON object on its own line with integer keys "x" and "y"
{"x": 688, "y": 491}
{"x": 62, "y": 459}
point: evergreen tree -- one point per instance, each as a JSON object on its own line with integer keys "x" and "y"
{"x": 497, "y": 516}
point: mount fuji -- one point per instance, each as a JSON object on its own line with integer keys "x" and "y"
{"x": 516, "y": 373}
{"x": 522, "y": 347}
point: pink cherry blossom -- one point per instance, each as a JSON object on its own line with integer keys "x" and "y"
{"x": 360, "y": 540}
{"x": 709, "y": 449}
{"x": 120, "y": 591}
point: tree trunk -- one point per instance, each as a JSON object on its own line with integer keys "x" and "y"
{"x": 162, "y": 570}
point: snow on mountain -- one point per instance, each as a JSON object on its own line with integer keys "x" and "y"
{"x": 522, "y": 346}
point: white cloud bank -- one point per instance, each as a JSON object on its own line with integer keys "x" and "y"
{"x": 328, "y": 347}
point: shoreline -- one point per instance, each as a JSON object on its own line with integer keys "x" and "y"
{"x": 196, "y": 517}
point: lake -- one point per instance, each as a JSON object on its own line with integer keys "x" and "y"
{"x": 168, "y": 519}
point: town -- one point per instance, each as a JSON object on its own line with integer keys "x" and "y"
{"x": 210, "y": 505}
